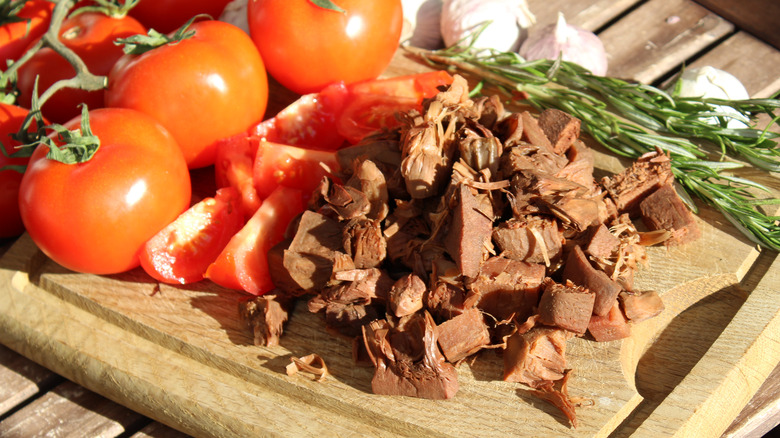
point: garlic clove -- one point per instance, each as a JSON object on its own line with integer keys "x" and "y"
{"x": 422, "y": 23}
{"x": 571, "y": 43}
{"x": 508, "y": 28}
{"x": 711, "y": 83}
{"x": 236, "y": 13}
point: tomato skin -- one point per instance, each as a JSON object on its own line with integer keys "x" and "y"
{"x": 290, "y": 166}
{"x": 168, "y": 15}
{"x": 243, "y": 264}
{"x": 91, "y": 36}
{"x": 342, "y": 114}
{"x": 94, "y": 217}
{"x": 309, "y": 121}
{"x": 372, "y": 104}
{"x": 182, "y": 251}
{"x": 11, "y": 119}
{"x": 233, "y": 168}
{"x": 306, "y": 47}
{"x": 15, "y": 37}
{"x": 202, "y": 89}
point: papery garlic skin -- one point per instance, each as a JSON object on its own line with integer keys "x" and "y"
{"x": 571, "y": 43}
{"x": 711, "y": 83}
{"x": 510, "y": 20}
{"x": 422, "y": 23}
{"x": 235, "y": 13}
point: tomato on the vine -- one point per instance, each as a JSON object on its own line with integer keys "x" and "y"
{"x": 181, "y": 252}
{"x": 203, "y": 88}
{"x": 33, "y": 21}
{"x": 94, "y": 216}
{"x": 11, "y": 119}
{"x": 307, "y": 47}
{"x": 168, "y": 15}
{"x": 91, "y": 36}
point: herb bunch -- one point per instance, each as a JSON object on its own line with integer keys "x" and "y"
{"x": 631, "y": 119}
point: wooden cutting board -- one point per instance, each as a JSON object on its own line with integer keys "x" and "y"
{"x": 182, "y": 356}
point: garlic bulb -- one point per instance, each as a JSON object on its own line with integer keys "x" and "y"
{"x": 510, "y": 20}
{"x": 236, "y": 13}
{"x": 711, "y": 83}
{"x": 422, "y": 23}
{"x": 572, "y": 43}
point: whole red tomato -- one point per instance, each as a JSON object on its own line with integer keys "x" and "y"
{"x": 202, "y": 89}
{"x": 168, "y": 15}
{"x": 11, "y": 118}
{"x": 91, "y": 36}
{"x": 95, "y": 216}
{"x": 15, "y": 36}
{"x": 307, "y": 47}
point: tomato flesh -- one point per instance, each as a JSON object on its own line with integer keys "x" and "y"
{"x": 243, "y": 264}
{"x": 290, "y": 166}
{"x": 182, "y": 251}
{"x": 342, "y": 114}
{"x": 234, "y": 168}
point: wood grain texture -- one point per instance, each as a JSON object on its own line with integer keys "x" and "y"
{"x": 731, "y": 371}
{"x": 588, "y": 14}
{"x": 759, "y": 17}
{"x": 659, "y": 36}
{"x": 21, "y": 379}
{"x": 68, "y": 411}
{"x": 158, "y": 430}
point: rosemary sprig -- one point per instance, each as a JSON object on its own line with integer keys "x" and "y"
{"x": 631, "y": 119}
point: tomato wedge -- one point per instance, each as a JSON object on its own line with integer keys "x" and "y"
{"x": 233, "y": 168}
{"x": 181, "y": 252}
{"x": 373, "y": 105}
{"x": 291, "y": 166}
{"x": 415, "y": 86}
{"x": 341, "y": 112}
{"x": 309, "y": 121}
{"x": 243, "y": 264}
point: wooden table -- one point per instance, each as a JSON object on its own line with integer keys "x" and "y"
{"x": 647, "y": 41}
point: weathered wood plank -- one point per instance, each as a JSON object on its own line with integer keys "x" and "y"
{"x": 657, "y": 37}
{"x": 588, "y": 14}
{"x": 70, "y": 410}
{"x": 759, "y": 17}
{"x": 20, "y": 379}
{"x": 158, "y": 430}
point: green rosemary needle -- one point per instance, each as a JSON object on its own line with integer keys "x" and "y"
{"x": 631, "y": 119}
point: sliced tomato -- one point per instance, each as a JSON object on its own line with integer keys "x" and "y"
{"x": 368, "y": 113}
{"x": 309, "y": 121}
{"x": 243, "y": 264}
{"x": 233, "y": 168}
{"x": 181, "y": 252}
{"x": 415, "y": 86}
{"x": 373, "y": 105}
{"x": 291, "y": 166}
